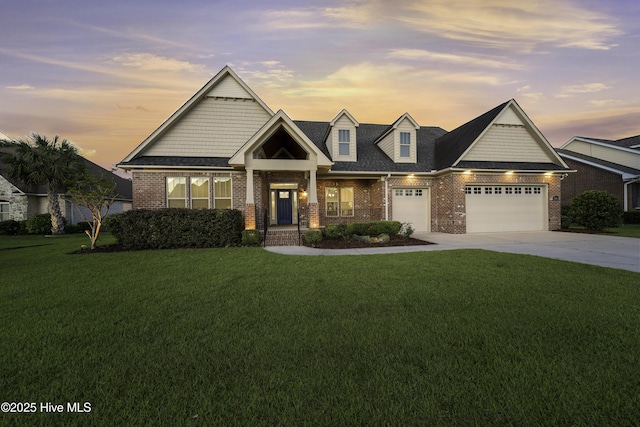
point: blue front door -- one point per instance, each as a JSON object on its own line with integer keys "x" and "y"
{"x": 284, "y": 206}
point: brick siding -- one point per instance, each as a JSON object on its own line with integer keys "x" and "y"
{"x": 590, "y": 178}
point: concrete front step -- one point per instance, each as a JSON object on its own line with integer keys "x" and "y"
{"x": 277, "y": 237}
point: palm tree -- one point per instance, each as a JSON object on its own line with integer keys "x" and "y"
{"x": 49, "y": 162}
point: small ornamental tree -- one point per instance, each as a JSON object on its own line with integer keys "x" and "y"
{"x": 596, "y": 210}
{"x": 97, "y": 194}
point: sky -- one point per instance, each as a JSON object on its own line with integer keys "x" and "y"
{"x": 104, "y": 75}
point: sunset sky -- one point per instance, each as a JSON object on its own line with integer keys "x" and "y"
{"x": 104, "y": 75}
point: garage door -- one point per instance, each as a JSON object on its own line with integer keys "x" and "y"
{"x": 506, "y": 208}
{"x": 412, "y": 205}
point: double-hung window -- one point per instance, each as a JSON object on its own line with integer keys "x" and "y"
{"x": 176, "y": 192}
{"x": 339, "y": 201}
{"x": 344, "y": 141}
{"x": 200, "y": 193}
{"x": 405, "y": 144}
{"x": 4, "y": 211}
{"x": 222, "y": 193}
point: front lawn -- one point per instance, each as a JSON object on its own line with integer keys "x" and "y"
{"x": 627, "y": 230}
{"x": 242, "y": 336}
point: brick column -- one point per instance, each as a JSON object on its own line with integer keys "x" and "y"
{"x": 250, "y": 216}
{"x": 314, "y": 215}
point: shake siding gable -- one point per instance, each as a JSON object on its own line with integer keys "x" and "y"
{"x": 229, "y": 88}
{"x": 215, "y": 127}
{"x": 405, "y": 126}
{"x": 507, "y": 143}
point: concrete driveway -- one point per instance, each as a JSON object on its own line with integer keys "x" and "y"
{"x": 606, "y": 251}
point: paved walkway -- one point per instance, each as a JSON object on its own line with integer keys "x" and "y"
{"x": 606, "y": 251}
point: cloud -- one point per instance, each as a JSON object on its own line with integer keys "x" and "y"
{"x": 568, "y": 91}
{"x": 150, "y": 62}
{"x": 20, "y": 87}
{"x": 504, "y": 24}
{"x": 468, "y": 59}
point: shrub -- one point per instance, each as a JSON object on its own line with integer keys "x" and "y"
{"x": 177, "y": 228}
{"x": 313, "y": 236}
{"x": 631, "y": 217}
{"x": 77, "y": 228}
{"x": 9, "y": 227}
{"x": 39, "y": 224}
{"x": 596, "y": 210}
{"x": 406, "y": 230}
{"x": 374, "y": 228}
{"x": 251, "y": 238}
{"x": 336, "y": 231}
{"x": 565, "y": 221}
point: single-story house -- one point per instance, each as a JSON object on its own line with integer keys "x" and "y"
{"x": 225, "y": 148}
{"x": 602, "y": 164}
{"x": 20, "y": 202}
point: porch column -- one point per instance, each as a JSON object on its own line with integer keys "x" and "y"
{"x": 250, "y": 206}
{"x": 314, "y": 211}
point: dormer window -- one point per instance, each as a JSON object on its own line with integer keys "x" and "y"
{"x": 405, "y": 144}
{"x": 344, "y": 140}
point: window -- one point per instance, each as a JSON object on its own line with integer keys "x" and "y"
{"x": 344, "y": 140}
{"x": 527, "y": 190}
{"x": 467, "y": 190}
{"x": 508, "y": 190}
{"x": 222, "y": 193}
{"x": 517, "y": 190}
{"x": 176, "y": 192}
{"x": 497, "y": 190}
{"x": 537, "y": 190}
{"x": 477, "y": 190}
{"x": 339, "y": 201}
{"x": 346, "y": 201}
{"x": 405, "y": 144}
{"x": 399, "y": 192}
{"x": 487, "y": 190}
{"x": 419, "y": 192}
{"x": 4, "y": 211}
{"x": 200, "y": 193}
{"x": 408, "y": 192}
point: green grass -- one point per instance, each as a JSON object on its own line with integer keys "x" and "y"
{"x": 241, "y": 336}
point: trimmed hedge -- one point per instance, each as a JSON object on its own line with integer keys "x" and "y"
{"x": 251, "y": 238}
{"x": 336, "y": 231}
{"x": 374, "y": 228}
{"x": 631, "y": 217}
{"x": 40, "y": 224}
{"x": 596, "y": 210}
{"x": 313, "y": 236}
{"x": 11, "y": 227}
{"x": 176, "y": 228}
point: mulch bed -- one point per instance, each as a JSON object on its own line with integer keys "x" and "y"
{"x": 350, "y": 244}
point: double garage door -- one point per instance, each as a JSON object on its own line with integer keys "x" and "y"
{"x": 493, "y": 208}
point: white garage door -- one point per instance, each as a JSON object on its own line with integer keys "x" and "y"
{"x": 506, "y": 208}
{"x": 412, "y": 205}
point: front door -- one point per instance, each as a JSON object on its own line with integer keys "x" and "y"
{"x": 284, "y": 206}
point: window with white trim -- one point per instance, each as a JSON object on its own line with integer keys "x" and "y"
{"x": 497, "y": 190}
{"x": 517, "y": 190}
{"x": 399, "y": 192}
{"x": 527, "y": 190}
{"x": 344, "y": 142}
{"x": 4, "y": 211}
{"x": 405, "y": 144}
{"x": 222, "y": 193}
{"x": 488, "y": 190}
{"x": 419, "y": 192}
{"x": 508, "y": 190}
{"x": 200, "y": 192}
{"x": 339, "y": 201}
{"x": 176, "y": 192}
{"x": 537, "y": 190}
{"x": 477, "y": 190}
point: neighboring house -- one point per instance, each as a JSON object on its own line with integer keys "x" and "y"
{"x": 602, "y": 164}
{"x": 20, "y": 202}
{"x": 225, "y": 148}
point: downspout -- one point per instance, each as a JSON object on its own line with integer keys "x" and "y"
{"x": 625, "y": 195}
{"x": 386, "y": 196}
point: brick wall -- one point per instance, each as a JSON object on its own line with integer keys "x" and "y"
{"x": 590, "y": 178}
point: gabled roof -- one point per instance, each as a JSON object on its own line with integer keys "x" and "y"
{"x": 344, "y": 113}
{"x": 631, "y": 143}
{"x": 625, "y": 171}
{"x": 395, "y": 125}
{"x": 451, "y": 148}
{"x": 187, "y": 106}
{"x": 280, "y": 119}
